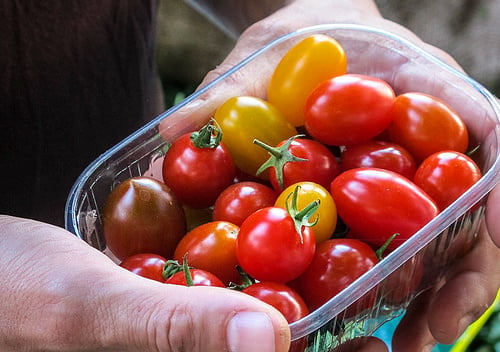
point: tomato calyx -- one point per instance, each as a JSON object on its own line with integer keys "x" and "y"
{"x": 380, "y": 253}
{"x": 173, "y": 267}
{"x": 246, "y": 280}
{"x": 301, "y": 218}
{"x": 209, "y": 136}
{"x": 279, "y": 157}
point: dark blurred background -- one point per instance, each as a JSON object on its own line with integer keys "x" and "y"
{"x": 189, "y": 45}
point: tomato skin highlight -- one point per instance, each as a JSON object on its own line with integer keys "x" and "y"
{"x": 308, "y": 63}
{"x": 240, "y": 200}
{"x": 269, "y": 248}
{"x": 379, "y": 154}
{"x": 147, "y": 265}
{"x": 337, "y": 263}
{"x": 211, "y": 247}
{"x": 142, "y": 215}
{"x": 281, "y": 297}
{"x": 376, "y": 204}
{"x": 245, "y": 118}
{"x": 446, "y": 175}
{"x": 197, "y": 175}
{"x": 349, "y": 109}
{"x": 423, "y": 125}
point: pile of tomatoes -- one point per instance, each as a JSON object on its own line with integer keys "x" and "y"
{"x": 300, "y": 190}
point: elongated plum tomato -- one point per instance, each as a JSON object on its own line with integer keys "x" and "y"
{"x": 348, "y": 109}
{"x": 326, "y": 212}
{"x": 245, "y": 118}
{"x": 424, "y": 124}
{"x": 337, "y": 263}
{"x": 376, "y": 204}
{"x": 142, "y": 215}
{"x": 446, "y": 175}
{"x": 211, "y": 247}
{"x": 379, "y": 154}
{"x": 308, "y": 63}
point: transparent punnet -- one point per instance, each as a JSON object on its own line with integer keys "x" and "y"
{"x": 427, "y": 254}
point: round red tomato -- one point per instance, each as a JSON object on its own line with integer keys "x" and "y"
{"x": 198, "y": 167}
{"x": 142, "y": 215}
{"x": 269, "y": 247}
{"x": 241, "y": 199}
{"x": 349, "y": 109}
{"x": 446, "y": 175}
{"x": 196, "y": 277}
{"x": 376, "y": 204}
{"x": 211, "y": 247}
{"x": 423, "y": 125}
{"x": 281, "y": 297}
{"x": 147, "y": 265}
{"x": 300, "y": 159}
{"x": 337, "y": 263}
{"x": 379, "y": 154}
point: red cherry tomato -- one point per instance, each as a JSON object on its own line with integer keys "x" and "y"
{"x": 269, "y": 247}
{"x": 446, "y": 175}
{"x": 281, "y": 297}
{"x": 240, "y": 200}
{"x": 147, "y": 265}
{"x": 300, "y": 159}
{"x": 379, "y": 154}
{"x": 423, "y": 125}
{"x": 376, "y": 204}
{"x": 349, "y": 109}
{"x": 211, "y": 247}
{"x": 142, "y": 215}
{"x": 198, "y": 170}
{"x": 199, "y": 278}
{"x": 337, "y": 263}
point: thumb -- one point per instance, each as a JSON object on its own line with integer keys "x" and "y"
{"x": 158, "y": 317}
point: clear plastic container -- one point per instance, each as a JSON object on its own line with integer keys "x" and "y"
{"x": 434, "y": 247}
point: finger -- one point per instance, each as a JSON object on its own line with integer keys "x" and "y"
{"x": 412, "y": 333}
{"x": 362, "y": 344}
{"x": 492, "y": 218}
{"x": 470, "y": 289}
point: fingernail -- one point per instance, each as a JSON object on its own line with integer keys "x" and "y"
{"x": 250, "y": 331}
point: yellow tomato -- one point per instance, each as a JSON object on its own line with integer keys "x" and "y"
{"x": 326, "y": 213}
{"x": 308, "y": 63}
{"x": 243, "y": 119}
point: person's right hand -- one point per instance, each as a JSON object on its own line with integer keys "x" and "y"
{"x": 60, "y": 294}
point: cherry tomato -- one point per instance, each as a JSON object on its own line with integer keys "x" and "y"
{"x": 269, "y": 247}
{"x": 300, "y": 159}
{"x": 211, "y": 247}
{"x": 142, "y": 215}
{"x": 326, "y": 214}
{"x": 446, "y": 175}
{"x": 147, "y": 265}
{"x": 379, "y": 154}
{"x": 423, "y": 125}
{"x": 376, "y": 204}
{"x": 337, "y": 263}
{"x": 198, "y": 167}
{"x": 281, "y": 297}
{"x": 308, "y": 63}
{"x": 245, "y": 118}
{"x": 348, "y": 109}
{"x": 241, "y": 199}
{"x": 199, "y": 278}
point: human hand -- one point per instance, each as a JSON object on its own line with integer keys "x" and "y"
{"x": 58, "y": 293}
